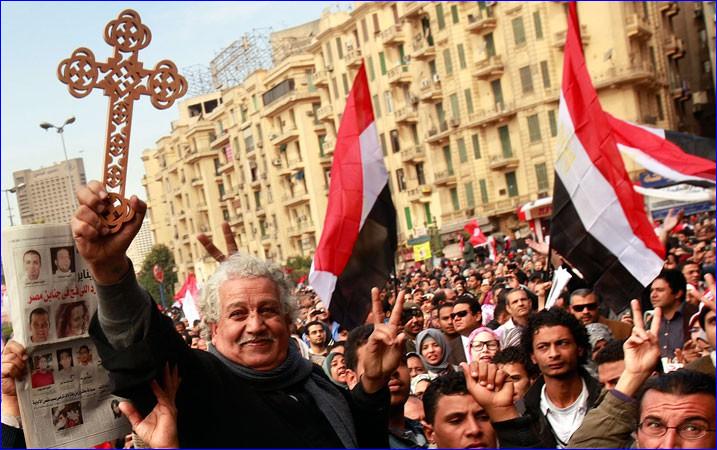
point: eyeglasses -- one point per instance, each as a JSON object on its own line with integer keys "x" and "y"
{"x": 589, "y": 306}
{"x": 690, "y": 430}
{"x": 479, "y": 345}
{"x": 459, "y": 314}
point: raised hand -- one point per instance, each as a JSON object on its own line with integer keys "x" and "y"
{"x": 212, "y": 249}
{"x": 642, "y": 351}
{"x": 384, "y": 349}
{"x": 14, "y": 367}
{"x": 159, "y": 428}
{"x": 103, "y": 251}
{"x": 492, "y": 389}
{"x": 539, "y": 247}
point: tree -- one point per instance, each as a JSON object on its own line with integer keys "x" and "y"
{"x": 297, "y": 267}
{"x": 162, "y": 256}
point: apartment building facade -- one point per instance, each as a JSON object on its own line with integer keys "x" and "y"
{"x": 465, "y": 97}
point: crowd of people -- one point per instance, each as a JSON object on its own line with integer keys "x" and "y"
{"x": 463, "y": 354}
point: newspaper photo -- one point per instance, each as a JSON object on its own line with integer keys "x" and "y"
{"x": 65, "y": 401}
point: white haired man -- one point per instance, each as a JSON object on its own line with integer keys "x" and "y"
{"x": 252, "y": 388}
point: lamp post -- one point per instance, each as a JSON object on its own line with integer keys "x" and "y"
{"x": 11, "y": 190}
{"x": 61, "y": 131}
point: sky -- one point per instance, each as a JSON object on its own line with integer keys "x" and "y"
{"x": 36, "y": 36}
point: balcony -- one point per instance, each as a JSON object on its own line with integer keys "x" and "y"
{"x": 353, "y": 58}
{"x": 321, "y": 78}
{"x": 637, "y": 27}
{"x": 668, "y": 8}
{"x": 419, "y": 194}
{"x": 422, "y": 49}
{"x": 430, "y": 90}
{"x": 260, "y": 211}
{"x": 288, "y": 100}
{"x": 224, "y": 168}
{"x": 236, "y": 219}
{"x": 489, "y": 69}
{"x": 197, "y": 181}
{"x": 505, "y": 206}
{"x": 294, "y": 199}
{"x": 295, "y": 163}
{"x": 284, "y": 137}
{"x": 412, "y": 10}
{"x": 329, "y": 144}
{"x": 480, "y": 22}
{"x": 325, "y": 159}
{"x": 453, "y": 217}
{"x": 680, "y": 91}
{"x": 325, "y": 113}
{"x": 438, "y": 135}
{"x": 559, "y": 37}
{"x": 500, "y": 112}
{"x": 399, "y": 74}
{"x": 674, "y": 47}
{"x": 393, "y": 35}
{"x": 220, "y": 140}
{"x": 413, "y": 154}
{"x": 637, "y": 73}
{"x": 445, "y": 178}
{"x": 503, "y": 162}
{"x": 407, "y": 114}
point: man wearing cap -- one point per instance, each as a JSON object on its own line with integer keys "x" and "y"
{"x": 412, "y": 320}
{"x": 706, "y": 318}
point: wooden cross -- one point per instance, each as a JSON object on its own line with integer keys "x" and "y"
{"x": 123, "y": 80}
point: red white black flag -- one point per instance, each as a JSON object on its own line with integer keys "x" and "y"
{"x": 599, "y": 222}
{"x": 358, "y": 242}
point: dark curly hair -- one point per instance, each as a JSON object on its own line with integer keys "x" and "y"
{"x": 515, "y": 354}
{"x": 611, "y": 352}
{"x": 554, "y": 317}
{"x": 452, "y": 383}
{"x": 357, "y": 339}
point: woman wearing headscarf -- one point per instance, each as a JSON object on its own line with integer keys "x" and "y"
{"x": 434, "y": 350}
{"x": 335, "y": 368}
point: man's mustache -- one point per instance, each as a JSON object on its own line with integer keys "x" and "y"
{"x": 257, "y": 338}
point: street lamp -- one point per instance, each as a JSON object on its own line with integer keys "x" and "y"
{"x": 61, "y": 131}
{"x": 12, "y": 190}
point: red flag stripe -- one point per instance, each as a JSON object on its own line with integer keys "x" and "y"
{"x": 593, "y": 130}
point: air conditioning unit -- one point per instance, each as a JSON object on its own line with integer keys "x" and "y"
{"x": 455, "y": 122}
{"x": 276, "y": 163}
{"x": 310, "y": 113}
{"x": 260, "y": 144}
{"x": 349, "y": 46}
{"x": 330, "y": 67}
{"x": 436, "y": 78}
{"x": 413, "y": 99}
{"x": 406, "y": 59}
{"x": 425, "y": 84}
{"x": 273, "y": 136}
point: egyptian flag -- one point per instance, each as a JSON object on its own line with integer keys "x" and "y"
{"x": 477, "y": 237}
{"x": 186, "y": 298}
{"x": 358, "y": 242}
{"x": 599, "y": 222}
{"x": 680, "y": 157}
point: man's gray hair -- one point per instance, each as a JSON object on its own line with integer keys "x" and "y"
{"x": 239, "y": 266}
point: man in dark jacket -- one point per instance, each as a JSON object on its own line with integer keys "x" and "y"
{"x": 252, "y": 388}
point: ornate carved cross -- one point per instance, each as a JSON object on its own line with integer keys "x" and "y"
{"x": 122, "y": 78}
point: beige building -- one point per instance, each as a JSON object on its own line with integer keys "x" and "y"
{"x": 48, "y": 194}
{"x": 465, "y": 97}
{"x": 141, "y": 245}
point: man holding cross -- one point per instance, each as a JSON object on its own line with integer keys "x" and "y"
{"x": 252, "y": 388}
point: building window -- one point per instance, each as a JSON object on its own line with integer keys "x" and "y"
{"x": 470, "y": 198}
{"x": 454, "y": 199}
{"x": 376, "y": 106}
{"x": 462, "y": 153}
{"x": 376, "y": 27}
{"x": 553, "y": 123}
{"x": 483, "y": 192}
{"x": 420, "y": 174}
{"x": 382, "y": 62}
{"x": 534, "y": 128}
{"x": 546, "y": 73}
{"x": 448, "y": 159}
{"x": 455, "y": 108}
{"x": 335, "y": 86}
{"x": 364, "y": 29}
{"x": 371, "y": 72}
{"x": 448, "y": 62}
{"x": 395, "y": 144}
{"x": 497, "y": 89}
{"x": 660, "y": 111}
{"x": 476, "y": 146}
{"x": 388, "y": 100}
{"x": 526, "y": 80}
{"x": 512, "y": 184}
{"x": 518, "y": 31}
{"x": 541, "y": 174}
{"x": 454, "y": 14}
{"x": 409, "y": 222}
{"x": 345, "y": 81}
{"x": 461, "y": 56}
{"x": 469, "y": 101}
{"x": 339, "y": 49}
{"x": 414, "y": 133}
{"x": 382, "y": 136}
{"x": 504, "y": 134}
{"x": 538, "y": 25}
{"x": 489, "y": 45}
{"x": 440, "y": 17}
{"x": 329, "y": 55}
{"x": 400, "y": 180}
{"x": 427, "y": 213}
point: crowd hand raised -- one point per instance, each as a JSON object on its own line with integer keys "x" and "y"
{"x": 540, "y": 247}
{"x": 159, "y": 428}
{"x": 492, "y": 389}
{"x": 385, "y": 347}
{"x": 14, "y": 367}
{"x": 103, "y": 251}
{"x": 642, "y": 351}
{"x": 212, "y": 249}
{"x": 673, "y": 218}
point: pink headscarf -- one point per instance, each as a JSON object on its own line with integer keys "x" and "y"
{"x": 473, "y": 335}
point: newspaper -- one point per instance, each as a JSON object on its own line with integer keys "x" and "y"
{"x": 65, "y": 401}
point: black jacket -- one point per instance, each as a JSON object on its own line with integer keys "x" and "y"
{"x": 219, "y": 409}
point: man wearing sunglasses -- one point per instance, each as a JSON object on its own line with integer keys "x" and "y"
{"x": 585, "y": 306}
{"x": 466, "y": 317}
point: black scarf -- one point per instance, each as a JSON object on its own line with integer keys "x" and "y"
{"x": 297, "y": 370}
